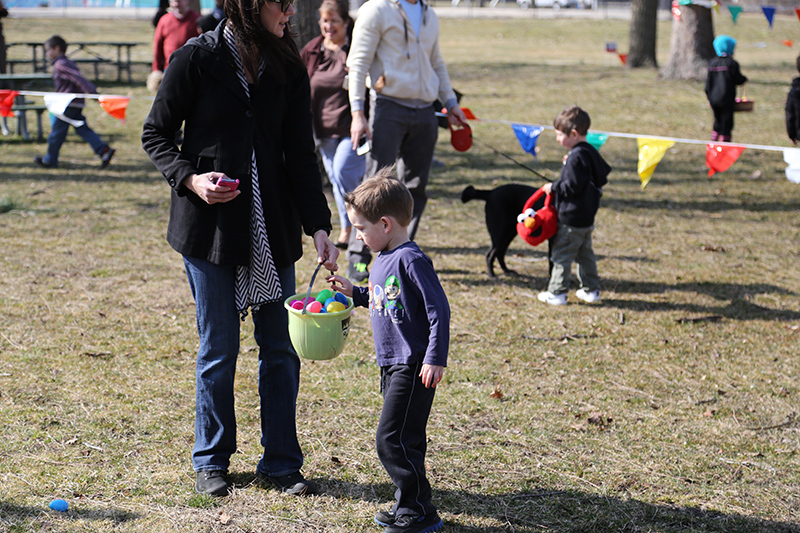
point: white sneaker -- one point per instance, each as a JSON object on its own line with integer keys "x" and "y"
{"x": 553, "y": 299}
{"x": 588, "y": 296}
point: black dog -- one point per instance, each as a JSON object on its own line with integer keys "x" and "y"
{"x": 503, "y": 205}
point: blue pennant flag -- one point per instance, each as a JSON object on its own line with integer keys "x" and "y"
{"x": 527, "y": 136}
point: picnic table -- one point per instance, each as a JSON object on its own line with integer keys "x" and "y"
{"x": 18, "y": 82}
{"x": 86, "y": 52}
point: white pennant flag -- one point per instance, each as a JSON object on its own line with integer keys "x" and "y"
{"x": 57, "y": 104}
{"x": 792, "y": 157}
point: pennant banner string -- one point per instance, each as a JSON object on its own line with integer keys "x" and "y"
{"x": 638, "y": 135}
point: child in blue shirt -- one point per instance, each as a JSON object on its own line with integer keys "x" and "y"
{"x": 411, "y": 328}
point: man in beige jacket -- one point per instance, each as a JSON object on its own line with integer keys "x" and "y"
{"x": 395, "y": 50}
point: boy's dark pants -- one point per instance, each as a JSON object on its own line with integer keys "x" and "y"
{"x": 401, "y": 438}
{"x": 723, "y": 122}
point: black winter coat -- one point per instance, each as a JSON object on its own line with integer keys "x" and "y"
{"x": 202, "y": 93}
{"x": 723, "y": 77}
{"x": 576, "y": 194}
{"x": 793, "y": 111}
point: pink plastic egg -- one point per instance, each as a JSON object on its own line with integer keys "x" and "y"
{"x": 314, "y": 307}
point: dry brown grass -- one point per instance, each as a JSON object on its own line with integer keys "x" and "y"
{"x": 670, "y": 407}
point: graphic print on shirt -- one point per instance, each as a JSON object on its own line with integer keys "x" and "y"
{"x": 384, "y": 300}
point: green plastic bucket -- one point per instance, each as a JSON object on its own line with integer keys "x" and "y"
{"x": 318, "y": 336}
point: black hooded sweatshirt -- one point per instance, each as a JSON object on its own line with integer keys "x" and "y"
{"x": 576, "y": 194}
{"x": 793, "y": 111}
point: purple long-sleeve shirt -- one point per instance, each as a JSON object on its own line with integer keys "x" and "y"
{"x": 408, "y": 307}
{"x": 68, "y": 79}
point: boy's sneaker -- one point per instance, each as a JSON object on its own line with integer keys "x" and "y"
{"x": 416, "y": 524}
{"x": 553, "y": 299}
{"x": 357, "y": 272}
{"x": 212, "y": 483}
{"x": 294, "y": 483}
{"x": 385, "y": 518}
{"x": 105, "y": 156}
{"x": 39, "y": 160}
{"x": 588, "y": 296}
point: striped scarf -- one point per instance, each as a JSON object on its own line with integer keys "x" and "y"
{"x": 257, "y": 283}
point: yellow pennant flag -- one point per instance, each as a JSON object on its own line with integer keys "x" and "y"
{"x": 650, "y": 153}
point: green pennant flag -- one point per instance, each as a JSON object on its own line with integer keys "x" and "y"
{"x": 735, "y": 10}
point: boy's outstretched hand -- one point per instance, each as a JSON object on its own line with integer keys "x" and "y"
{"x": 431, "y": 375}
{"x": 341, "y": 284}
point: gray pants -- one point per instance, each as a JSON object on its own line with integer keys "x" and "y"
{"x": 406, "y": 136}
{"x": 572, "y": 244}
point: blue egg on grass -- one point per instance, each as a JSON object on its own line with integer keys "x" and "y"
{"x": 59, "y": 505}
{"x": 339, "y": 297}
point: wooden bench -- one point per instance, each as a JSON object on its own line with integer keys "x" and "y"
{"x": 22, "y": 124}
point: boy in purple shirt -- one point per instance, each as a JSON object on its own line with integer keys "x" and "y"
{"x": 411, "y": 328}
{"x": 68, "y": 79}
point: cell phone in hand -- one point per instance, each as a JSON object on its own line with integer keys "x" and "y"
{"x": 228, "y": 182}
{"x": 363, "y": 145}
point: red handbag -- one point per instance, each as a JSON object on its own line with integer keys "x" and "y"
{"x": 542, "y": 225}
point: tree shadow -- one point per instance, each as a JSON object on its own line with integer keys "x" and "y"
{"x": 562, "y": 511}
{"x": 30, "y": 515}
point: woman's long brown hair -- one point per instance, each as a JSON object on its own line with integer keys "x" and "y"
{"x": 254, "y": 41}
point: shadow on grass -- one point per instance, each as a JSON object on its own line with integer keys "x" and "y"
{"x": 24, "y": 517}
{"x": 566, "y": 511}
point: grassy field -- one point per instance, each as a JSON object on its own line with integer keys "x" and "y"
{"x": 672, "y": 406}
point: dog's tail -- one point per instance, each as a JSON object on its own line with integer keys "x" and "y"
{"x": 471, "y": 193}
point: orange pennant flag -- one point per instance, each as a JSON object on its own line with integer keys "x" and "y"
{"x": 114, "y": 106}
{"x": 468, "y": 113}
{"x": 623, "y": 58}
{"x": 6, "y": 101}
{"x": 788, "y": 42}
{"x": 719, "y": 157}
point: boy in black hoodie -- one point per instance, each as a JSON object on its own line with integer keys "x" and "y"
{"x": 576, "y": 196}
{"x": 793, "y": 108}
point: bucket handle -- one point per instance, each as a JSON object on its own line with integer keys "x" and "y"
{"x": 308, "y": 293}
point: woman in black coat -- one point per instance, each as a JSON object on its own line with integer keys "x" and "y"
{"x": 245, "y": 185}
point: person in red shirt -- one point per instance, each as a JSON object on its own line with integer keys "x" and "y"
{"x": 172, "y": 32}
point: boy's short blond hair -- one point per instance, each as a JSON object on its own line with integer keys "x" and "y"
{"x": 382, "y": 195}
{"x": 573, "y": 118}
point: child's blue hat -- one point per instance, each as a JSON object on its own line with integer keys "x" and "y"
{"x": 724, "y": 45}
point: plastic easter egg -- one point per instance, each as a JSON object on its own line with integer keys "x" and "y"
{"x": 328, "y": 302}
{"x": 335, "y": 306}
{"x": 59, "y": 505}
{"x": 314, "y": 307}
{"x": 324, "y": 295}
{"x": 297, "y": 304}
{"x": 322, "y": 309}
{"x": 339, "y": 297}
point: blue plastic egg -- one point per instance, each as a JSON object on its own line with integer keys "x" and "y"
{"x": 59, "y": 505}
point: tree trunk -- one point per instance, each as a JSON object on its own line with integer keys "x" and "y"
{"x": 691, "y": 44}
{"x": 642, "y": 52}
{"x": 306, "y": 21}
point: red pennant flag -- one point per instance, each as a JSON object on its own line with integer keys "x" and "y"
{"x": 115, "y": 106}
{"x": 6, "y": 101}
{"x": 720, "y": 157}
{"x": 468, "y": 113}
{"x": 623, "y": 58}
{"x": 797, "y": 10}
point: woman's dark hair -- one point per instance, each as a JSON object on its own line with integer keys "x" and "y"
{"x": 254, "y": 41}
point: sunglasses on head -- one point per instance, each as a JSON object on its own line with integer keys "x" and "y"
{"x": 284, "y": 4}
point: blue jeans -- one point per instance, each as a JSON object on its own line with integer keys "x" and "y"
{"x": 278, "y": 372}
{"x": 345, "y": 169}
{"x": 58, "y": 133}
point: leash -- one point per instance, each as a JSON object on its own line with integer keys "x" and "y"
{"x": 526, "y": 167}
